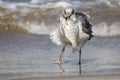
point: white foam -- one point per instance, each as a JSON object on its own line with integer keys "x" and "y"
{"x": 50, "y": 4}
{"x": 10, "y": 6}
{"x": 37, "y": 1}
{"x": 108, "y": 2}
{"x": 57, "y": 4}
{"x": 63, "y": 4}
{"x": 111, "y": 3}
{"x": 34, "y": 1}
{"x": 103, "y": 29}
{"x": 2, "y": 4}
{"x": 35, "y": 28}
{"x": 115, "y": 28}
{"x": 100, "y": 29}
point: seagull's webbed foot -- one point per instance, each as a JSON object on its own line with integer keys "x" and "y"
{"x": 57, "y": 62}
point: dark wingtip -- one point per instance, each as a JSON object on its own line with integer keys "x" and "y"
{"x": 91, "y": 36}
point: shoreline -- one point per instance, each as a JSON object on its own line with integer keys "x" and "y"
{"x": 47, "y": 76}
{"x": 82, "y": 77}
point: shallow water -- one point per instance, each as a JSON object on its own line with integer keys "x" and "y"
{"x": 27, "y": 55}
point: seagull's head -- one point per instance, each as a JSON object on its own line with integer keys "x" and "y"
{"x": 68, "y": 12}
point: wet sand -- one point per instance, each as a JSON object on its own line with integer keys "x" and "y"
{"x": 100, "y": 77}
{"x": 30, "y": 57}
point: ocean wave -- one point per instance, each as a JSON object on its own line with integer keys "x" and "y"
{"x": 111, "y": 3}
{"x": 40, "y": 17}
{"x": 24, "y": 6}
{"x": 55, "y": 3}
{"x": 36, "y": 28}
{"x": 103, "y": 29}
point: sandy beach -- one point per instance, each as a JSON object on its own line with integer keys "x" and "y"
{"x": 100, "y": 77}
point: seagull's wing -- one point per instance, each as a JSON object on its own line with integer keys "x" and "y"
{"x": 57, "y": 35}
{"x": 86, "y": 26}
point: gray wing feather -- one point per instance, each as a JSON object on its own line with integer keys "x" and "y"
{"x": 86, "y": 26}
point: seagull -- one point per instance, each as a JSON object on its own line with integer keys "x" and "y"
{"x": 74, "y": 29}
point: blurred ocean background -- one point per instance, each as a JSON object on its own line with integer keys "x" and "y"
{"x": 26, "y": 50}
{"x": 41, "y": 16}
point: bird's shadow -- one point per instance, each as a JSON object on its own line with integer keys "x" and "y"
{"x": 74, "y": 62}
{"x": 84, "y": 61}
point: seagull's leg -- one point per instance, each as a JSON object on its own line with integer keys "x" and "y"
{"x": 58, "y": 61}
{"x": 80, "y": 56}
{"x": 80, "y": 60}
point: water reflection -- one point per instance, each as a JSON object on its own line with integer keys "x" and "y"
{"x": 63, "y": 69}
{"x": 70, "y": 66}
